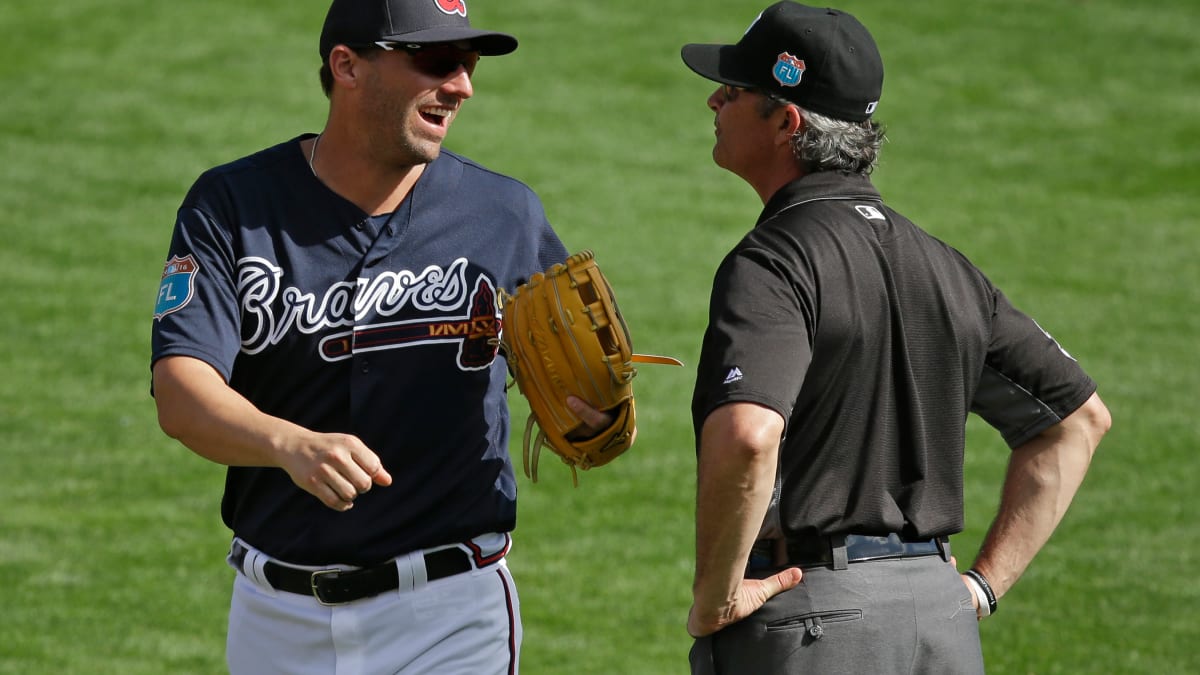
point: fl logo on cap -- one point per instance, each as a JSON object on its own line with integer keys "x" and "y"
{"x": 458, "y": 7}
{"x": 788, "y": 70}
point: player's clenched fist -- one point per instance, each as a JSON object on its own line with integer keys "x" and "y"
{"x": 334, "y": 468}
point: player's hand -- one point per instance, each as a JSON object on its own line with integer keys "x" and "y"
{"x": 752, "y": 595}
{"x": 594, "y": 420}
{"x": 335, "y": 468}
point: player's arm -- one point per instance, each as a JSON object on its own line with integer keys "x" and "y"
{"x": 198, "y": 408}
{"x": 1042, "y": 479}
{"x": 739, "y": 455}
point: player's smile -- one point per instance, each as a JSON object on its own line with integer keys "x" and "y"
{"x": 439, "y": 116}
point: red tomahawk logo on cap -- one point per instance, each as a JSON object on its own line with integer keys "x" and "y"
{"x": 458, "y": 7}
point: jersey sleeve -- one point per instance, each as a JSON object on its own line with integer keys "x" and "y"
{"x": 551, "y": 250}
{"x": 1029, "y": 382}
{"x": 543, "y": 244}
{"x": 527, "y": 225}
{"x": 196, "y": 310}
{"x": 757, "y": 347}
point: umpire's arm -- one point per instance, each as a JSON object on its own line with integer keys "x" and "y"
{"x": 1043, "y": 477}
{"x": 739, "y": 456}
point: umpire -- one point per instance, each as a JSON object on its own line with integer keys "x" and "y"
{"x": 844, "y": 350}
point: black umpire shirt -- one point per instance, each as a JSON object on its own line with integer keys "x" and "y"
{"x": 873, "y": 340}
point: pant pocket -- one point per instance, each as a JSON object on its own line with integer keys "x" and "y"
{"x": 814, "y": 623}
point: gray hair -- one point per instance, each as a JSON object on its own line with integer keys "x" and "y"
{"x": 828, "y": 144}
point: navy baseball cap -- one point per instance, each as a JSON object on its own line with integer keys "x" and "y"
{"x": 364, "y": 22}
{"x": 823, "y": 60}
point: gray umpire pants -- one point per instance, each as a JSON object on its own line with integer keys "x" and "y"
{"x": 906, "y": 615}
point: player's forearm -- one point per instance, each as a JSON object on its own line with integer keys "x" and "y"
{"x": 735, "y": 480}
{"x": 1043, "y": 478}
{"x": 198, "y": 409}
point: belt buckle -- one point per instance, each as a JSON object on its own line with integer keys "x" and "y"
{"x": 315, "y": 583}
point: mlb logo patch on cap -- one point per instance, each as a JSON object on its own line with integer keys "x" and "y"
{"x": 788, "y": 70}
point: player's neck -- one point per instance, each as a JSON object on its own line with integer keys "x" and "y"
{"x": 373, "y": 188}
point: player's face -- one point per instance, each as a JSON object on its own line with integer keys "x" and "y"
{"x": 410, "y": 99}
{"x": 744, "y": 138}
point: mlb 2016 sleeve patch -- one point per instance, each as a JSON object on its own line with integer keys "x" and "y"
{"x": 178, "y": 285}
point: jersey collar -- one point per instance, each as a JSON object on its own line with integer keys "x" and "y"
{"x": 823, "y": 185}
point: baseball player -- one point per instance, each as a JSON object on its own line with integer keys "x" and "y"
{"x": 326, "y": 326}
{"x": 844, "y": 350}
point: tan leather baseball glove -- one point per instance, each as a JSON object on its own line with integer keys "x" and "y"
{"x": 564, "y": 335}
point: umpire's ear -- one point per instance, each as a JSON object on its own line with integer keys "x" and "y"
{"x": 791, "y": 122}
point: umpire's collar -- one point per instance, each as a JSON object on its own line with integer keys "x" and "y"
{"x": 819, "y": 186}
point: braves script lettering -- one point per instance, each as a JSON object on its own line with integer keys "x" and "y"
{"x": 269, "y": 312}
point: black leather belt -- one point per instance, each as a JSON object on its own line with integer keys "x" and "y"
{"x": 338, "y": 587}
{"x": 838, "y": 550}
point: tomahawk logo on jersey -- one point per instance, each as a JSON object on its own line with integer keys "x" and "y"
{"x": 475, "y": 333}
{"x": 451, "y": 314}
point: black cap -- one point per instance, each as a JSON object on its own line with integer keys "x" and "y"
{"x": 823, "y": 60}
{"x": 363, "y": 22}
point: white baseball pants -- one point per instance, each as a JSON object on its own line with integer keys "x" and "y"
{"x": 466, "y": 624}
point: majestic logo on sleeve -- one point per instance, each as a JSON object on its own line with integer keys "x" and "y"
{"x": 458, "y": 7}
{"x": 178, "y": 285}
{"x": 788, "y": 70}
{"x": 454, "y": 312}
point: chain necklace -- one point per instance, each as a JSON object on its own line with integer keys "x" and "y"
{"x": 312, "y": 154}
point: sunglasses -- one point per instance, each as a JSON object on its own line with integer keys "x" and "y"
{"x": 435, "y": 60}
{"x": 730, "y": 92}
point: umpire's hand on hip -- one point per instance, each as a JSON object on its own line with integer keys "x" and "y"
{"x": 706, "y": 618}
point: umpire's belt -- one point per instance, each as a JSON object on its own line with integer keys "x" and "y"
{"x": 338, "y": 586}
{"x": 838, "y": 550}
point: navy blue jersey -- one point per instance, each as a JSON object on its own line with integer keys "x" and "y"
{"x": 383, "y": 327}
{"x": 873, "y": 340}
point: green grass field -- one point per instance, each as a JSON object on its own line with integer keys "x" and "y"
{"x": 1055, "y": 143}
